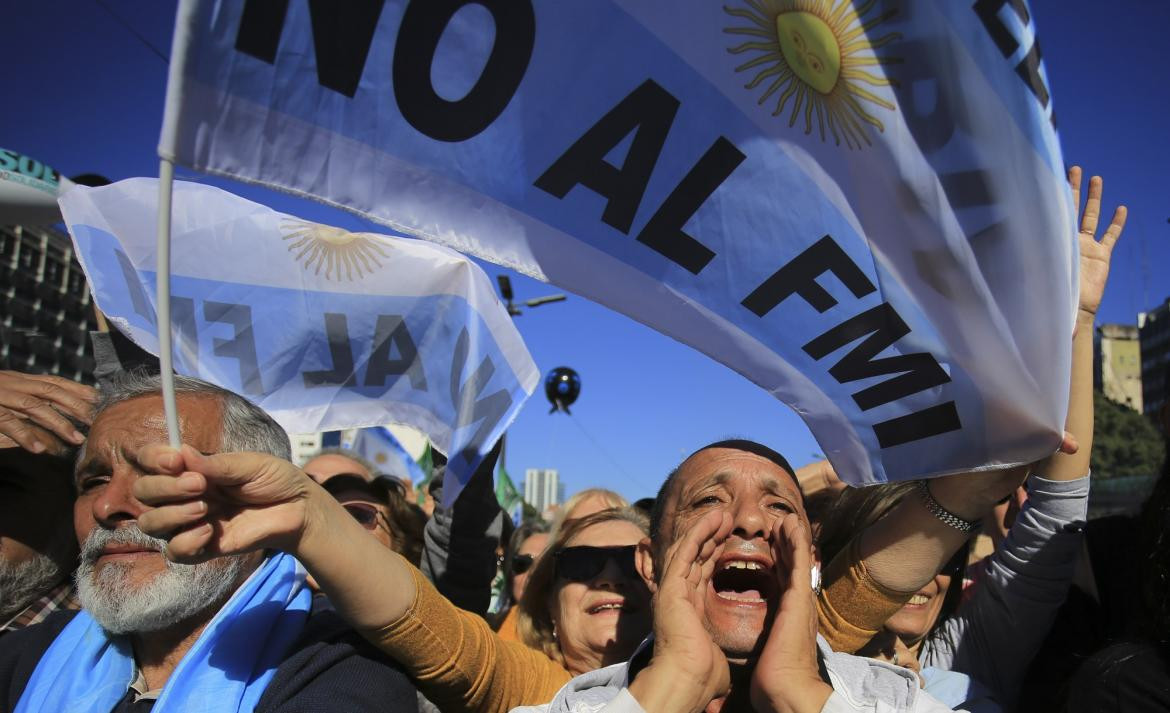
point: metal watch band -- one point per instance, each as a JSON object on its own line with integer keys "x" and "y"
{"x": 947, "y": 517}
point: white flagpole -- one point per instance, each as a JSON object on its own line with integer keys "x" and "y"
{"x": 166, "y": 179}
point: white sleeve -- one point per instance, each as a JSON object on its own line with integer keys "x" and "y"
{"x": 624, "y": 702}
{"x": 923, "y": 703}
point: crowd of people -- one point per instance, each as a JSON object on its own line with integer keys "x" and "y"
{"x": 222, "y": 576}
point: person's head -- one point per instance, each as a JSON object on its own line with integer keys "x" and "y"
{"x": 37, "y": 546}
{"x": 856, "y": 509}
{"x": 124, "y": 580}
{"x": 584, "y": 503}
{"x": 756, "y": 487}
{"x": 524, "y": 548}
{"x": 381, "y": 507}
{"x": 585, "y": 604}
{"x": 332, "y": 462}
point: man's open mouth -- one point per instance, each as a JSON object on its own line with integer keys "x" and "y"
{"x": 744, "y": 581}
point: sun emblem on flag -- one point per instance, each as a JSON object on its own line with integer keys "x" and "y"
{"x": 816, "y": 51}
{"x": 333, "y": 249}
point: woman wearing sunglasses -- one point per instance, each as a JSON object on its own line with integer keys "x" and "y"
{"x": 524, "y": 548}
{"x": 583, "y": 587}
{"x": 380, "y": 506}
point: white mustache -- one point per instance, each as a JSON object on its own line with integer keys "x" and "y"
{"x": 100, "y": 537}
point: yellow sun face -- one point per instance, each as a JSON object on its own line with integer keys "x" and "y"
{"x": 335, "y": 250}
{"x": 815, "y": 50}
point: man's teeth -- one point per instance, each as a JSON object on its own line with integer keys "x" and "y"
{"x": 919, "y": 599}
{"x": 740, "y": 564}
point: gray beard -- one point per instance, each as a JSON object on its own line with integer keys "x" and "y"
{"x": 23, "y": 582}
{"x": 176, "y": 594}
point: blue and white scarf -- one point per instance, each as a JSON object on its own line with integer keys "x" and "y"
{"x": 227, "y": 669}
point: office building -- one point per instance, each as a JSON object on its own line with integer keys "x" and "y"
{"x": 1119, "y": 364}
{"x": 1154, "y": 333}
{"x": 45, "y": 309}
{"x": 542, "y": 488}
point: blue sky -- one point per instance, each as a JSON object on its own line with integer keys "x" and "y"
{"x": 84, "y": 94}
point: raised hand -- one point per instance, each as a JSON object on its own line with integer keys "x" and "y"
{"x": 818, "y": 477}
{"x": 687, "y": 670}
{"x": 226, "y": 503}
{"x": 1095, "y": 254}
{"x": 787, "y": 675}
{"x": 33, "y": 411}
{"x": 970, "y": 495}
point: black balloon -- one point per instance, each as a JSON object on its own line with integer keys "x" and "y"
{"x": 562, "y": 386}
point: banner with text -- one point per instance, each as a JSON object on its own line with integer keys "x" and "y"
{"x": 860, "y": 206}
{"x": 323, "y": 328}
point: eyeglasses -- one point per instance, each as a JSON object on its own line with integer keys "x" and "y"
{"x": 581, "y": 564}
{"x": 522, "y": 563}
{"x": 364, "y": 513}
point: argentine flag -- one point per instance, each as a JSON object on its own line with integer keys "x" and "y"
{"x": 322, "y": 328}
{"x": 859, "y": 205}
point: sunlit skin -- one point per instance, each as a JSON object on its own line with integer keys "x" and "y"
{"x": 589, "y": 639}
{"x": 533, "y": 545}
{"x": 756, "y": 493}
{"x": 108, "y": 470}
{"x": 915, "y": 619}
{"x": 105, "y": 474}
{"x": 324, "y": 467}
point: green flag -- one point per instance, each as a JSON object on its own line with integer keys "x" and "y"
{"x": 506, "y": 493}
{"x": 427, "y": 465}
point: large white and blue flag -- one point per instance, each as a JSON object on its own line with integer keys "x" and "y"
{"x": 323, "y": 328}
{"x": 859, "y": 205}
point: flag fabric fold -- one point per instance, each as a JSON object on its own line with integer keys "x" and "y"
{"x": 862, "y": 210}
{"x": 323, "y": 328}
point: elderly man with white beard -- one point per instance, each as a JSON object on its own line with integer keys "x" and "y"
{"x": 233, "y": 633}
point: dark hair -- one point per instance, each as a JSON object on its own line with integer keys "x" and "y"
{"x": 406, "y": 520}
{"x": 659, "y": 510}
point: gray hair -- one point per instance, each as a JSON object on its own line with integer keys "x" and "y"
{"x": 245, "y": 427}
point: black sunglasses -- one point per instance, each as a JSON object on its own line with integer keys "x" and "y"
{"x": 957, "y": 564}
{"x": 522, "y": 563}
{"x": 581, "y": 564}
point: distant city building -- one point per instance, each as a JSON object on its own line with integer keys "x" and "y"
{"x": 1118, "y": 364}
{"x": 45, "y": 309}
{"x": 542, "y": 488}
{"x": 305, "y": 446}
{"x": 1154, "y": 329}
